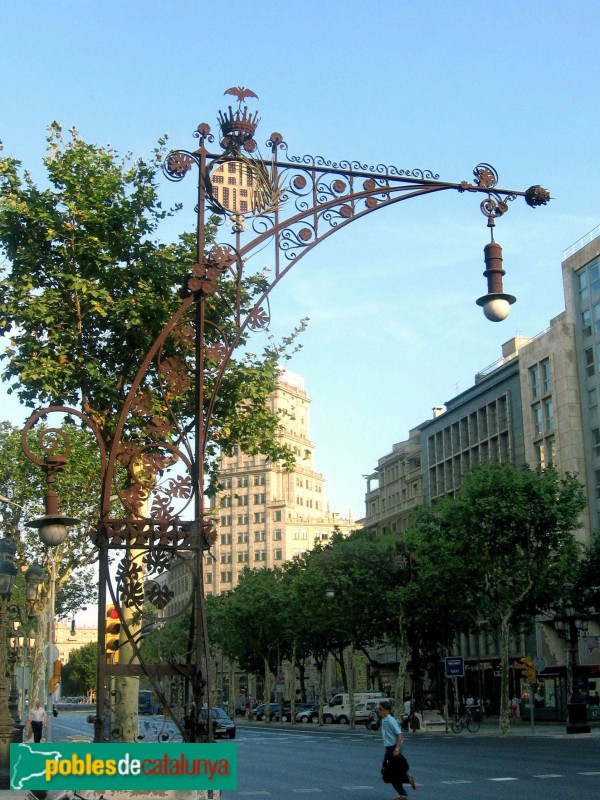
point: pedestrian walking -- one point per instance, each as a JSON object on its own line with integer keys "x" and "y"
{"x": 37, "y": 720}
{"x": 394, "y": 768}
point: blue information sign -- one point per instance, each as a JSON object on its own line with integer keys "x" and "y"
{"x": 455, "y": 667}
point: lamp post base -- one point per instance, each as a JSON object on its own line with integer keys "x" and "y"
{"x": 577, "y": 718}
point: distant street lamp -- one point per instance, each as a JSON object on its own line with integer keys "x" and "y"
{"x": 9, "y": 731}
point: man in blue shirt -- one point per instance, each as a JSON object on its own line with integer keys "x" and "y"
{"x": 395, "y": 767}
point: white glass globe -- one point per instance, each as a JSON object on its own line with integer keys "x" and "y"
{"x": 496, "y": 310}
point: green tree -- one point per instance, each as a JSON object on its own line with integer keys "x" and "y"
{"x": 87, "y": 289}
{"x": 587, "y": 585}
{"x": 505, "y": 543}
{"x": 78, "y": 675}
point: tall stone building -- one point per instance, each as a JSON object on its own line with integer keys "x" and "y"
{"x": 395, "y": 487}
{"x": 266, "y": 515}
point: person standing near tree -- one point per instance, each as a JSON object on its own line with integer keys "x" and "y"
{"x": 37, "y": 720}
{"x": 394, "y": 768}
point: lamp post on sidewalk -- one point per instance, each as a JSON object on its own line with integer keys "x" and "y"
{"x": 10, "y": 732}
{"x": 292, "y": 204}
{"x": 569, "y": 623}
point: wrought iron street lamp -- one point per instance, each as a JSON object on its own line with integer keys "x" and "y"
{"x": 291, "y": 204}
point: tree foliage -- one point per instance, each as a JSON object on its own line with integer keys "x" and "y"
{"x": 87, "y": 288}
{"x": 78, "y": 675}
{"x": 502, "y": 549}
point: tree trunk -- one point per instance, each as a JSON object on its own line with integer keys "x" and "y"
{"x": 403, "y": 659}
{"x": 267, "y": 718}
{"x": 292, "y": 686}
{"x": 302, "y": 673}
{"x": 351, "y": 683}
{"x": 504, "y": 687}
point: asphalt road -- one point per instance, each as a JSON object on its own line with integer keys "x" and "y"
{"x": 277, "y": 764}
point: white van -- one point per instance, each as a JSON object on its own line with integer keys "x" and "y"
{"x": 338, "y": 708}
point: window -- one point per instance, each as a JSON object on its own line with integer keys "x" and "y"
{"x": 231, "y": 167}
{"x": 277, "y": 536}
{"x": 231, "y": 181}
{"x": 538, "y": 420}
{"x": 546, "y": 377}
{"x": 589, "y": 361}
{"x": 593, "y": 398}
{"x": 259, "y": 499}
{"x": 277, "y": 556}
{"x": 277, "y": 516}
{"x": 260, "y": 536}
{"x": 594, "y": 270}
{"x": 534, "y": 374}
{"x": 226, "y": 577}
{"x": 549, "y": 414}
{"x": 242, "y": 538}
{"x": 225, "y": 538}
{"x": 216, "y": 178}
{"x": 582, "y": 280}
{"x": 596, "y": 441}
{"x": 551, "y": 450}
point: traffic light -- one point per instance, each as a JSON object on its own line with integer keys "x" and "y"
{"x": 55, "y": 679}
{"x": 111, "y": 635}
{"x": 526, "y": 664}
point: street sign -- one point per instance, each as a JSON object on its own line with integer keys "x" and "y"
{"x": 455, "y": 667}
{"x": 540, "y": 664}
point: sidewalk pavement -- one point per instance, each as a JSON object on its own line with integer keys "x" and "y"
{"x": 489, "y": 727}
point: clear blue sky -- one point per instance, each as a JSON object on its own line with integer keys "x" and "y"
{"x": 394, "y": 326}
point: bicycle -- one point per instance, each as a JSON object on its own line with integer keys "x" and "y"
{"x": 465, "y": 721}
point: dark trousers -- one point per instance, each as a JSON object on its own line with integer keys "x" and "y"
{"x": 396, "y": 775}
{"x": 38, "y": 729}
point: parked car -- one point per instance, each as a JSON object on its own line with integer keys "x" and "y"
{"x": 310, "y": 714}
{"x": 362, "y": 713}
{"x": 222, "y": 725}
{"x": 259, "y": 711}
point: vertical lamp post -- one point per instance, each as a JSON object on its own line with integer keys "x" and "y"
{"x": 569, "y": 623}
{"x": 9, "y": 731}
{"x": 290, "y": 204}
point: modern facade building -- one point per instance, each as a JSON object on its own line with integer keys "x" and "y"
{"x": 581, "y": 280}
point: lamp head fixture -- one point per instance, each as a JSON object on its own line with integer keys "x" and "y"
{"x": 52, "y": 527}
{"x": 496, "y": 304}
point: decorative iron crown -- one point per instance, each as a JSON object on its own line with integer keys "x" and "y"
{"x": 237, "y": 129}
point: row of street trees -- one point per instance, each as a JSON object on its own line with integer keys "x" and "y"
{"x": 503, "y": 549}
